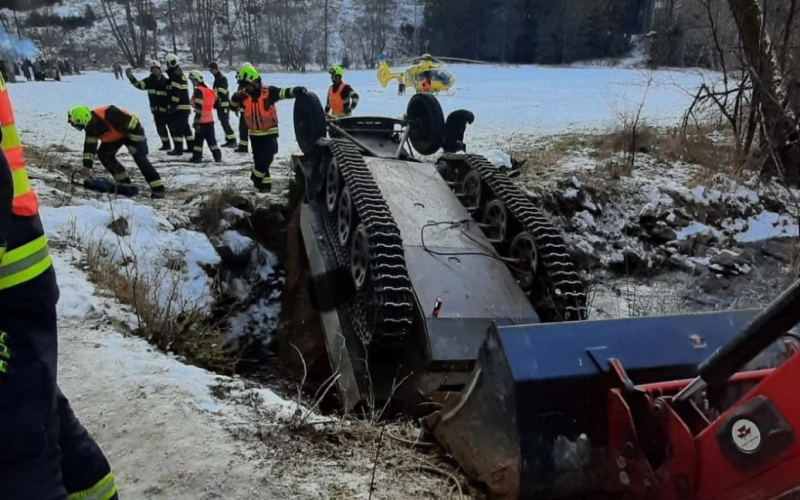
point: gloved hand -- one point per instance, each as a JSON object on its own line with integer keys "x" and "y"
{"x": 298, "y": 91}
{"x": 129, "y": 72}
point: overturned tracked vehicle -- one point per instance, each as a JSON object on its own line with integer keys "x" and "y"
{"x": 440, "y": 286}
{"x": 412, "y": 261}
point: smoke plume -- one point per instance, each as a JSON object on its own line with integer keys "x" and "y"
{"x": 14, "y": 48}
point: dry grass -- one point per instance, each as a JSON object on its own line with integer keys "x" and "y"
{"x": 549, "y": 153}
{"x": 213, "y": 208}
{"x": 48, "y": 157}
{"x": 169, "y": 322}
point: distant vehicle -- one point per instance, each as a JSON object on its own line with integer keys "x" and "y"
{"x": 43, "y": 71}
{"x": 427, "y": 75}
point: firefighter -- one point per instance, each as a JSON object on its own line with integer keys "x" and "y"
{"x": 204, "y": 101}
{"x": 258, "y": 106}
{"x": 243, "y": 133}
{"x": 342, "y": 99}
{"x": 156, "y": 85}
{"x": 179, "y": 107}
{"x": 223, "y": 110}
{"x": 46, "y": 451}
{"x": 114, "y": 128}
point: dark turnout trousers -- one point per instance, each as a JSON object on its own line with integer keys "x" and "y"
{"x": 107, "y": 154}
{"x": 243, "y": 133}
{"x": 265, "y": 147}
{"x": 46, "y": 452}
{"x": 204, "y": 132}
{"x": 224, "y": 116}
{"x": 181, "y": 131}
{"x": 162, "y": 126}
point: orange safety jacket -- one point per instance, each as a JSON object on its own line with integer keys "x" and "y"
{"x": 261, "y": 115}
{"x": 27, "y": 255}
{"x": 336, "y": 101}
{"x": 113, "y": 134}
{"x": 206, "y": 104}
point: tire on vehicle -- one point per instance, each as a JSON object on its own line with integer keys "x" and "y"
{"x": 427, "y": 123}
{"x": 309, "y": 121}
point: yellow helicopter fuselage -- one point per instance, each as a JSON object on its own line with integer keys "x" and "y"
{"x": 438, "y": 78}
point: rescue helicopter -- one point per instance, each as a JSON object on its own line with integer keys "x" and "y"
{"x": 427, "y": 75}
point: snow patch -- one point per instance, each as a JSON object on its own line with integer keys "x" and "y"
{"x": 764, "y": 226}
{"x": 498, "y": 158}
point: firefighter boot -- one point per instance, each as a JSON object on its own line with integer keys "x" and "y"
{"x": 242, "y": 148}
{"x": 178, "y": 151}
{"x": 196, "y": 158}
{"x": 230, "y": 144}
{"x": 159, "y": 193}
{"x": 165, "y": 146}
{"x": 217, "y": 155}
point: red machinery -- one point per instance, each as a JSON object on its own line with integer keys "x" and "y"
{"x": 633, "y": 415}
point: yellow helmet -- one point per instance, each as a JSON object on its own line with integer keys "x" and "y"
{"x": 248, "y": 74}
{"x": 337, "y": 70}
{"x": 79, "y": 117}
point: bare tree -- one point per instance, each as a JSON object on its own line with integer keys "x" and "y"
{"x": 778, "y": 122}
{"x": 374, "y": 25}
{"x": 132, "y": 36}
{"x": 291, "y": 30}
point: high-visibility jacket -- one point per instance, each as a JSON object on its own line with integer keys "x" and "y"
{"x": 203, "y": 102}
{"x": 342, "y": 100}
{"x": 26, "y": 256}
{"x": 261, "y": 114}
{"x": 110, "y": 124}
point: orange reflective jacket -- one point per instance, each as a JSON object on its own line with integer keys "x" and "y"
{"x": 336, "y": 100}
{"x": 113, "y": 134}
{"x": 25, "y": 202}
{"x": 261, "y": 115}
{"x": 209, "y": 99}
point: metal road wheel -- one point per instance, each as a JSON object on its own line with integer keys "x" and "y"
{"x": 495, "y": 218}
{"x": 470, "y": 190}
{"x": 332, "y": 185}
{"x": 523, "y": 249}
{"x": 345, "y": 216}
{"x": 359, "y": 255}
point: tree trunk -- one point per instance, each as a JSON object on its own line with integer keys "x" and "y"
{"x": 325, "y": 54}
{"x": 778, "y": 121}
{"x": 172, "y": 28}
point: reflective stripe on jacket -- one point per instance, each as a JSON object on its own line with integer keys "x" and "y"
{"x": 25, "y": 201}
{"x": 261, "y": 115}
{"x": 27, "y": 255}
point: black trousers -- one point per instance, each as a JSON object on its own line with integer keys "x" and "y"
{"x": 107, "y": 154}
{"x": 204, "y": 132}
{"x": 181, "y": 130}
{"x": 243, "y": 132}
{"x": 224, "y": 116}
{"x": 265, "y": 147}
{"x": 162, "y": 126}
{"x": 46, "y": 452}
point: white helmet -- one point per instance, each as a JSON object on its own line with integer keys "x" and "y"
{"x": 196, "y": 76}
{"x": 172, "y": 60}
{"x": 154, "y": 64}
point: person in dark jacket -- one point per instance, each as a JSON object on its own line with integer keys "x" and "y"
{"x": 46, "y": 451}
{"x": 224, "y": 104}
{"x": 179, "y": 107}
{"x": 157, "y": 87}
{"x": 110, "y": 128}
{"x": 454, "y": 129}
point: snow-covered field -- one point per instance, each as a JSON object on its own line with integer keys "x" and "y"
{"x": 508, "y": 102}
{"x": 179, "y": 442}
